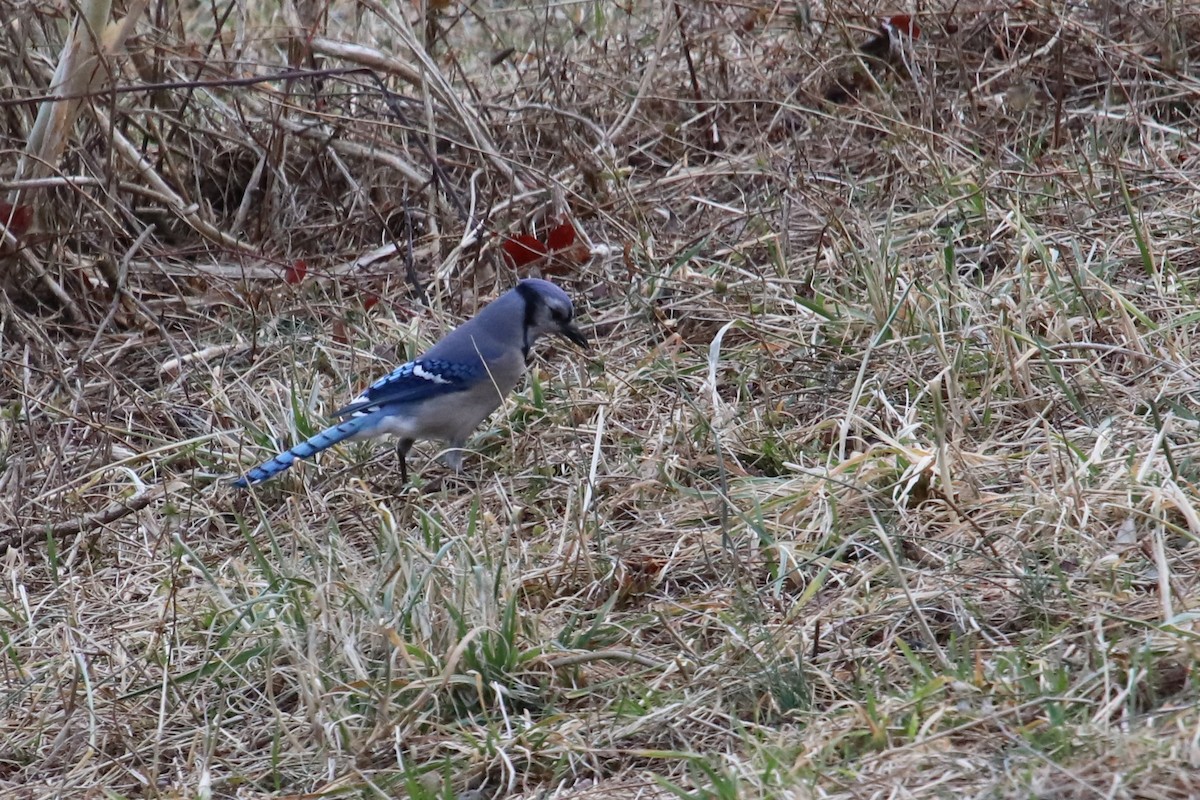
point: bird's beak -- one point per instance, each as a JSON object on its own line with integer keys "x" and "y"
{"x": 569, "y": 331}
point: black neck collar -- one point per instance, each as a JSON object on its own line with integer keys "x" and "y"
{"x": 532, "y": 299}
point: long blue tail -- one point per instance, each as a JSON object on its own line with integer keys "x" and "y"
{"x": 322, "y": 441}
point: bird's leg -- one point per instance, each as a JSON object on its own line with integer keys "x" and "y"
{"x": 453, "y": 457}
{"x": 402, "y": 448}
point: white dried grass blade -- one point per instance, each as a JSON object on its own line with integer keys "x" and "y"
{"x": 721, "y": 414}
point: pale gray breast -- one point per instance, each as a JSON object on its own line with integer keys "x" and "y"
{"x": 454, "y": 418}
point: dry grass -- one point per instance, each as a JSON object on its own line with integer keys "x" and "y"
{"x": 881, "y": 481}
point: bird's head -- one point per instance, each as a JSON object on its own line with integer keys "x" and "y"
{"x": 548, "y": 310}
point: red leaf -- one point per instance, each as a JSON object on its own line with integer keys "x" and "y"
{"x": 370, "y": 301}
{"x": 903, "y": 23}
{"x": 340, "y": 334}
{"x": 15, "y": 218}
{"x": 561, "y": 236}
{"x": 578, "y": 255}
{"x": 296, "y": 272}
{"x": 523, "y": 249}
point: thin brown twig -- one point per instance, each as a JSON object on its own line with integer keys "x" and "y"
{"x": 211, "y": 83}
{"x": 604, "y": 655}
{"x": 13, "y": 538}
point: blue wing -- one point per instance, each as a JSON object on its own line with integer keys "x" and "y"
{"x": 416, "y": 381}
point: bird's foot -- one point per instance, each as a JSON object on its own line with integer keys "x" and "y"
{"x": 449, "y": 480}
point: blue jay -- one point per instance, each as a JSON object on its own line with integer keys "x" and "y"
{"x": 445, "y": 393}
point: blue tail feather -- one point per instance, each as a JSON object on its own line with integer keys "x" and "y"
{"x": 321, "y": 441}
